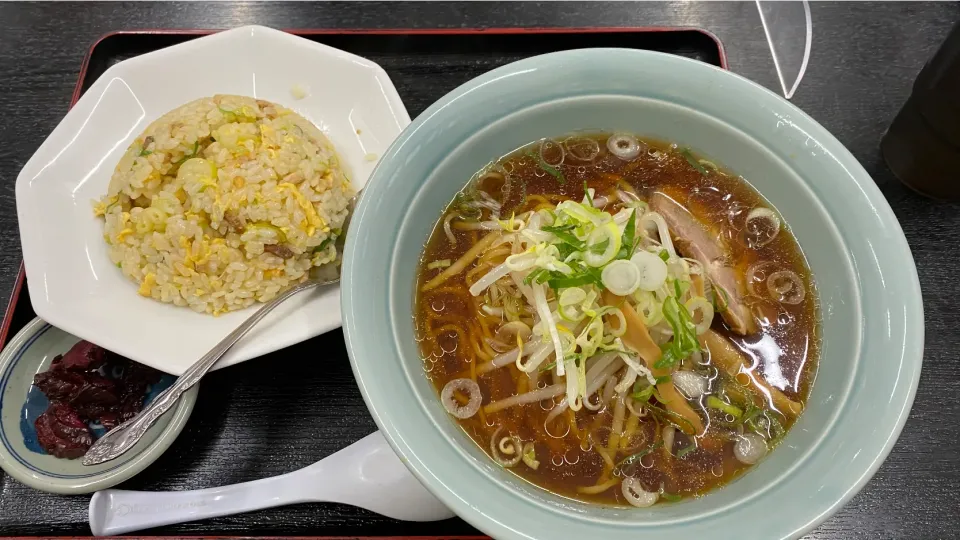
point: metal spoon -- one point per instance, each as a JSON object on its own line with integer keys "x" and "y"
{"x": 367, "y": 474}
{"x": 125, "y": 436}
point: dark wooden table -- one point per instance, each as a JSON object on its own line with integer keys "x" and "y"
{"x": 864, "y": 59}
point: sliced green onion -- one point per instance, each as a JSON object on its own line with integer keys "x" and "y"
{"x": 530, "y": 456}
{"x": 693, "y": 161}
{"x": 714, "y": 402}
{"x": 598, "y": 249}
{"x": 536, "y": 276}
{"x": 677, "y": 419}
{"x": 558, "y": 228}
{"x": 659, "y": 397}
{"x": 777, "y": 428}
{"x": 571, "y": 314}
{"x": 652, "y": 270}
{"x": 196, "y": 146}
{"x": 547, "y": 167}
{"x": 721, "y": 303}
{"x": 326, "y": 241}
{"x": 629, "y": 242}
{"x": 685, "y": 450}
{"x": 595, "y": 256}
{"x": 706, "y": 310}
{"x": 589, "y": 276}
{"x": 644, "y": 395}
{"x": 670, "y": 497}
{"x": 684, "y": 342}
{"x": 751, "y": 413}
{"x": 432, "y": 266}
{"x": 587, "y": 195}
{"x": 631, "y": 459}
{"x": 678, "y": 289}
{"x": 508, "y": 225}
{"x": 571, "y": 296}
{"x": 570, "y": 240}
{"x": 583, "y": 213}
{"x": 621, "y": 277}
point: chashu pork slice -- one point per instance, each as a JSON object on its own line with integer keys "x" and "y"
{"x": 695, "y": 239}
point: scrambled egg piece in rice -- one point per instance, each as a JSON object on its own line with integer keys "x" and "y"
{"x": 224, "y": 202}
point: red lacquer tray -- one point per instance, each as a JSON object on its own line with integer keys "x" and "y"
{"x": 278, "y": 413}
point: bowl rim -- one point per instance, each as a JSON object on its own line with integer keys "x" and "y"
{"x": 15, "y": 350}
{"x": 910, "y": 357}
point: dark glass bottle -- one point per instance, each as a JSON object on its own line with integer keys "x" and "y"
{"x": 922, "y": 145}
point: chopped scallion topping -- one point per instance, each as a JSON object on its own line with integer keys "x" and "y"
{"x": 434, "y": 265}
{"x": 714, "y": 402}
{"x": 684, "y": 342}
{"x": 631, "y": 459}
{"x": 600, "y": 247}
{"x": 693, "y": 161}
{"x": 559, "y": 228}
{"x": 629, "y": 243}
{"x": 547, "y": 167}
{"x": 326, "y": 242}
{"x": 539, "y": 276}
{"x": 686, "y": 450}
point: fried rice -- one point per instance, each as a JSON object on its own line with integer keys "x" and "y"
{"x": 223, "y": 202}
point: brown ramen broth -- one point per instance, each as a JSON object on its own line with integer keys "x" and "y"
{"x": 686, "y": 359}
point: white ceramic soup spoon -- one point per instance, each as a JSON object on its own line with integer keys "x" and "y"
{"x": 367, "y": 474}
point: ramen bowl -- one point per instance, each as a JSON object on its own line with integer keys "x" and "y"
{"x": 872, "y": 343}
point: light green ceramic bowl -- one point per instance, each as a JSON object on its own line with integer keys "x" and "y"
{"x": 30, "y": 352}
{"x": 870, "y": 295}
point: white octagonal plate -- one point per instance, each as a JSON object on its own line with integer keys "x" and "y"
{"x": 73, "y": 284}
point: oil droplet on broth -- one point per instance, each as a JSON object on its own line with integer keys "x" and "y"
{"x": 448, "y": 342}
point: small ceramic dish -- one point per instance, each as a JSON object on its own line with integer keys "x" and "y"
{"x": 31, "y": 352}
{"x": 74, "y": 285}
